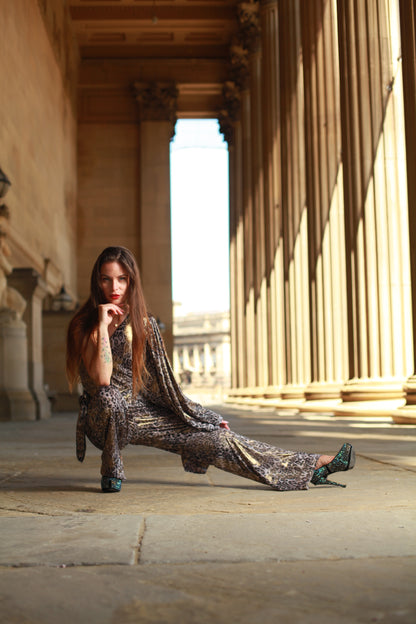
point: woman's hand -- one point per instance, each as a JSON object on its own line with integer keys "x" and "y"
{"x": 107, "y": 311}
{"x": 224, "y": 425}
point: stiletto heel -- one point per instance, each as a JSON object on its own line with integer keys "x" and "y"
{"x": 343, "y": 460}
{"x": 110, "y": 484}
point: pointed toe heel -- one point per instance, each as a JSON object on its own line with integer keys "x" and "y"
{"x": 110, "y": 484}
{"x": 343, "y": 460}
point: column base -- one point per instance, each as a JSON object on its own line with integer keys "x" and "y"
{"x": 290, "y": 397}
{"x": 381, "y": 409}
{"x": 17, "y": 405}
{"x": 406, "y": 415}
{"x": 372, "y": 390}
{"x": 321, "y": 406}
{"x": 370, "y": 397}
{"x": 43, "y": 404}
{"x": 321, "y": 391}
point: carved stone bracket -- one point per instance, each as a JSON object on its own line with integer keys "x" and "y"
{"x": 157, "y": 100}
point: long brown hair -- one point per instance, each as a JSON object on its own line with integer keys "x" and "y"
{"x": 86, "y": 319}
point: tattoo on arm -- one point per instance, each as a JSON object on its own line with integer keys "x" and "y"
{"x": 105, "y": 352}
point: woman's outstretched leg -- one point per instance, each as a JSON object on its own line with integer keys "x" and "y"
{"x": 278, "y": 468}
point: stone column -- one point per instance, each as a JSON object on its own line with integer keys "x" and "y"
{"x": 207, "y": 360}
{"x": 251, "y": 41}
{"x": 157, "y": 104}
{"x": 273, "y": 242}
{"x": 230, "y": 126}
{"x": 244, "y": 47}
{"x": 16, "y": 401}
{"x": 326, "y": 236}
{"x": 376, "y": 210}
{"x": 197, "y": 360}
{"x": 294, "y": 207}
{"x": 33, "y": 289}
{"x": 407, "y": 414}
{"x": 186, "y": 362}
{"x": 176, "y": 362}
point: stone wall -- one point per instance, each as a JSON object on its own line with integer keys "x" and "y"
{"x": 38, "y": 135}
{"x": 108, "y": 192}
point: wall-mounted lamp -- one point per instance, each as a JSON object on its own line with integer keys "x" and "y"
{"x": 62, "y": 302}
{"x": 5, "y": 184}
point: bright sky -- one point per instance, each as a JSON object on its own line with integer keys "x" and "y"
{"x": 200, "y": 228}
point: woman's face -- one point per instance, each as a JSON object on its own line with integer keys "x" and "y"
{"x": 114, "y": 282}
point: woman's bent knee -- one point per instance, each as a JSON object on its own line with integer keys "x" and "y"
{"x": 107, "y": 397}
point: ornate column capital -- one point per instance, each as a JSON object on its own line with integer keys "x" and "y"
{"x": 157, "y": 100}
{"x": 239, "y": 65}
{"x": 249, "y": 20}
{"x": 230, "y": 113}
{"x": 226, "y": 126}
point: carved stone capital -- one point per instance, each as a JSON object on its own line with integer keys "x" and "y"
{"x": 157, "y": 100}
{"x": 249, "y": 20}
{"x": 231, "y": 111}
{"x": 226, "y": 126}
{"x": 239, "y": 65}
{"x": 232, "y": 99}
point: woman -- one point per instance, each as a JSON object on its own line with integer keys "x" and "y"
{"x": 130, "y": 394}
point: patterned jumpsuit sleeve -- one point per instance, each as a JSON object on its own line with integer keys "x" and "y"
{"x": 163, "y": 417}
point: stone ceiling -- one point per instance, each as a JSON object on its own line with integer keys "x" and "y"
{"x": 154, "y": 29}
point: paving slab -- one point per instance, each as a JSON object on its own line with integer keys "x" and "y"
{"x": 70, "y": 540}
{"x": 346, "y": 592}
{"x": 279, "y": 537}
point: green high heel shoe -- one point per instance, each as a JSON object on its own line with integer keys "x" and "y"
{"x": 110, "y": 484}
{"x": 343, "y": 460}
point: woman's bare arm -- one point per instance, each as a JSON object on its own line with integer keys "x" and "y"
{"x": 98, "y": 359}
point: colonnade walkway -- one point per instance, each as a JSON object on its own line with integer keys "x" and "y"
{"x": 174, "y": 547}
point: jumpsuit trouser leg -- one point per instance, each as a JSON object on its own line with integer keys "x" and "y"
{"x": 112, "y": 424}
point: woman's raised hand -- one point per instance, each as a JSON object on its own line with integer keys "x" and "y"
{"x": 107, "y": 311}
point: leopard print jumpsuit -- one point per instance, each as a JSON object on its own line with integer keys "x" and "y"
{"x": 162, "y": 417}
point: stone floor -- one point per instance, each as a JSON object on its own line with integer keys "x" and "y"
{"x": 174, "y": 547}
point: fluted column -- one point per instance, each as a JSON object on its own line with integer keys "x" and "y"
{"x": 230, "y": 126}
{"x": 157, "y": 104}
{"x": 176, "y": 363}
{"x": 327, "y": 284}
{"x": 249, "y": 257}
{"x": 207, "y": 360}
{"x": 186, "y": 360}
{"x": 258, "y": 222}
{"x": 273, "y": 241}
{"x": 294, "y": 209}
{"x": 377, "y": 246}
{"x": 407, "y": 414}
{"x": 196, "y": 359}
{"x": 241, "y": 49}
